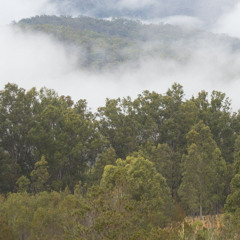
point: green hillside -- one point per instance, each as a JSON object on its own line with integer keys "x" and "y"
{"x": 104, "y": 44}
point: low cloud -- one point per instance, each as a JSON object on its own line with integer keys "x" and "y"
{"x": 184, "y": 21}
{"x": 208, "y": 12}
{"x": 135, "y": 4}
{"x": 30, "y": 60}
{"x": 36, "y": 60}
{"x": 229, "y": 23}
{"x": 14, "y": 10}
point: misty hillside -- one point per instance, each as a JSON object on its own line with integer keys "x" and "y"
{"x": 105, "y": 44}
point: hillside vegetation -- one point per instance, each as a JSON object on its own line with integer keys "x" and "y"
{"x": 104, "y": 44}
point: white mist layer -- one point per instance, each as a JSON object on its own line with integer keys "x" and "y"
{"x": 36, "y": 60}
{"x": 14, "y": 10}
{"x": 184, "y": 21}
{"x": 32, "y": 59}
{"x": 136, "y": 4}
{"x": 229, "y": 23}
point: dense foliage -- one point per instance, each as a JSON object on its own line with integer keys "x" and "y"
{"x": 132, "y": 170}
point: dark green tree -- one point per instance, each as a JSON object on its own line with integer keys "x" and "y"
{"x": 200, "y": 170}
{"x": 18, "y": 109}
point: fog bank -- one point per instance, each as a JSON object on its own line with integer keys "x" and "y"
{"x": 14, "y": 10}
{"x": 36, "y": 60}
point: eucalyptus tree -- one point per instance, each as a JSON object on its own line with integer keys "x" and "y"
{"x": 203, "y": 171}
{"x": 18, "y": 109}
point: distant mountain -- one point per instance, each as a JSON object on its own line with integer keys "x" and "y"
{"x": 103, "y": 44}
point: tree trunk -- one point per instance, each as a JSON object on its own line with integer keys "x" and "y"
{"x": 200, "y": 198}
{"x": 200, "y": 211}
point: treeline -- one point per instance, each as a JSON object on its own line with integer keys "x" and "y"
{"x": 125, "y": 172}
{"x": 102, "y": 44}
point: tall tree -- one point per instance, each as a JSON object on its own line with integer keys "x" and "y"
{"x": 17, "y": 112}
{"x": 200, "y": 170}
{"x": 215, "y": 113}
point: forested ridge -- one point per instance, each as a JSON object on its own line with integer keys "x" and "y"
{"x": 107, "y": 44}
{"x": 132, "y": 170}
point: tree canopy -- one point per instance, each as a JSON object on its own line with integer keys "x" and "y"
{"x": 133, "y": 168}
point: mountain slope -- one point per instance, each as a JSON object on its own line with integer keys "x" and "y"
{"x": 105, "y": 44}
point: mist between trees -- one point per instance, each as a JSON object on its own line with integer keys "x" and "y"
{"x": 119, "y": 57}
{"x": 128, "y": 171}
